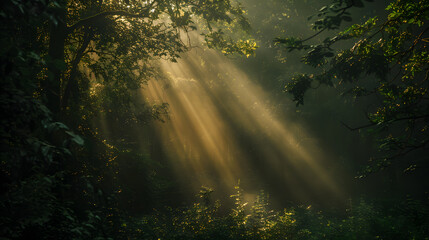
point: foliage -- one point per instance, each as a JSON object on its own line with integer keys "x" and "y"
{"x": 63, "y": 64}
{"x": 36, "y": 150}
{"x": 107, "y": 47}
{"x": 386, "y": 64}
{"x": 203, "y": 220}
{"x": 363, "y": 220}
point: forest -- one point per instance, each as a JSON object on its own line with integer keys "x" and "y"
{"x": 214, "y": 119}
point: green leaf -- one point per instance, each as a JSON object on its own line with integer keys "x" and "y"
{"x": 76, "y": 138}
{"x": 323, "y": 8}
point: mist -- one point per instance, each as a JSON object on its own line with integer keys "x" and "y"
{"x": 226, "y": 119}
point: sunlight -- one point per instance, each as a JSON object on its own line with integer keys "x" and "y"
{"x": 198, "y": 133}
{"x": 215, "y": 107}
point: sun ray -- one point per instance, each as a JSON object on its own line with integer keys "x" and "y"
{"x": 213, "y": 106}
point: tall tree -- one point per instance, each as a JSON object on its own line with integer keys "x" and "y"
{"x": 55, "y": 54}
{"x": 115, "y": 40}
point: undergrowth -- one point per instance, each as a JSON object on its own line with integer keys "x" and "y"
{"x": 203, "y": 221}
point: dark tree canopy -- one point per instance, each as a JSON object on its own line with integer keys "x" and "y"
{"x": 69, "y": 68}
{"x": 62, "y": 64}
{"x": 387, "y": 62}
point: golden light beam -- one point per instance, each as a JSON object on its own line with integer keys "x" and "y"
{"x": 208, "y": 99}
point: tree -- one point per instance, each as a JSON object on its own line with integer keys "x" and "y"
{"x": 61, "y": 63}
{"x": 386, "y": 63}
{"x": 36, "y": 150}
{"x": 115, "y": 39}
{"x": 108, "y": 50}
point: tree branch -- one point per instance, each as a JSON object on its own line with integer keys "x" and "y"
{"x": 411, "y": 118}
{"x": 343, "y": 10}
{"x": 357, "y": 128}
{"x": 98, "y": 16}
{"x": 89, "y": 20}
{"x": 314, "y": 35}
{"x": 373, "y": 123}
{"x": 72, "y": 87}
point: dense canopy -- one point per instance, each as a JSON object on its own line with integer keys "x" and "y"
{"x": 185, "y": 119}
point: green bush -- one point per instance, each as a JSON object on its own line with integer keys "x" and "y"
{"x": 362, "y": 220}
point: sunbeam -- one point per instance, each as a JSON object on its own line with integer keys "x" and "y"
{"x": 222, "y": 129}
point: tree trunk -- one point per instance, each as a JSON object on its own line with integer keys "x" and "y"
{"x": 56, "y": 64}
{"x": 71, "y": 89}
